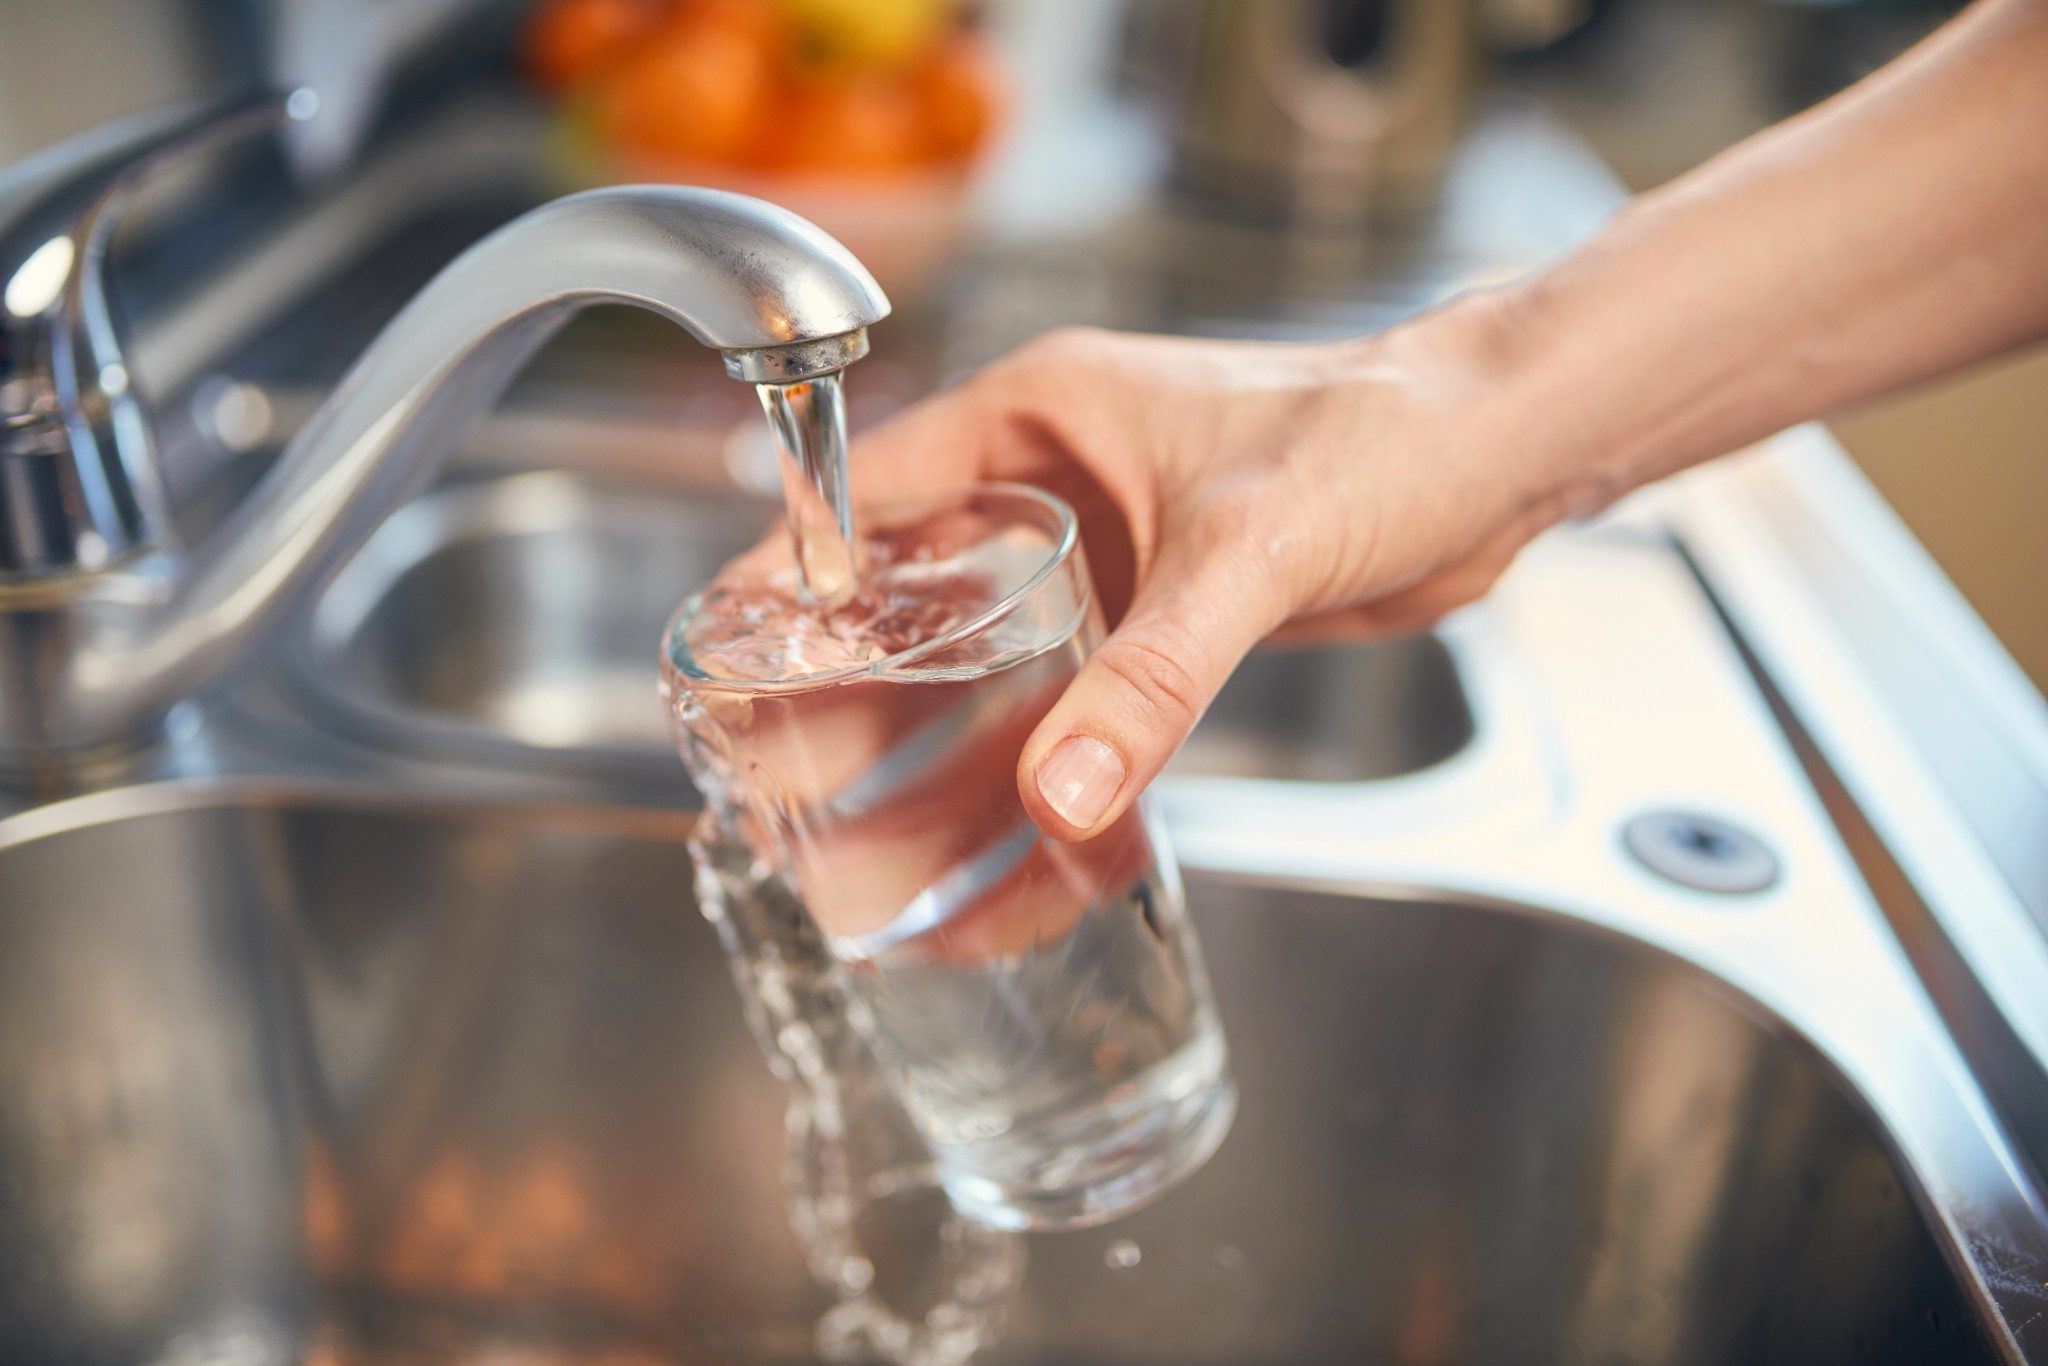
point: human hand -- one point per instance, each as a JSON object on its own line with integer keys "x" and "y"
{"x": 1229, "y": 490}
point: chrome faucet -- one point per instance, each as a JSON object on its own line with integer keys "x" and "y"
{"x": 106, "y": 624}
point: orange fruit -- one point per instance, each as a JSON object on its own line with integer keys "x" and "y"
{"x": 568, "y": 41}
{"x": 959, "y": 95}
{"x": 761, "y": 22}
{"x": 845, "y": 122}
{"x": 697, "y": 92}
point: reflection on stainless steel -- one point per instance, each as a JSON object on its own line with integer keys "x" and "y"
{"x": 448, "y": 1082}
{"x": 1470, "y": 1137}
{"x": 510, "y": 619}
{"x": 110, "y": 653}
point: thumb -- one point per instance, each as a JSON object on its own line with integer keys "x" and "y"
{"x": 1137, "y": 697}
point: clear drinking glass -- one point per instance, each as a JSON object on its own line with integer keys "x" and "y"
{"x": 1040, "y": 1007}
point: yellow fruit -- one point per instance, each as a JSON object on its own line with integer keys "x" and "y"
{"x": 870, "y": 33}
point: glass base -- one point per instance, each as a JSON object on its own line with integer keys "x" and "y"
{"x": 1154, "y": 1153}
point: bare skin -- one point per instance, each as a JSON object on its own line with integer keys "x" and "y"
{"x": 1232, "y": 490}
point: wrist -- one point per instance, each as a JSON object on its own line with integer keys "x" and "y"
{"x": 1521, "y": 431}
{"x": 1558, "y": 361}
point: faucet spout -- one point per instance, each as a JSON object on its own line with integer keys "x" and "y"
{"x": 778, "y": 297}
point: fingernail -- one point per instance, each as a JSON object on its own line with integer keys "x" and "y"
{"x": 1079, "y": 780}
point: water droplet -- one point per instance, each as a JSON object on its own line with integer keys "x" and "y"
{"x": 1229, "y": 1256}
{"x": 1122, "y": 1255}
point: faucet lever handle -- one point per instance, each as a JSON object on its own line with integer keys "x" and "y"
{"x": 78, "y": 481}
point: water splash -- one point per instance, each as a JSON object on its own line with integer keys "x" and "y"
{"x": 915, "y": 1284}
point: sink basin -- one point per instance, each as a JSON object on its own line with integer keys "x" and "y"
{"x": 515, "y": 620}
{"x": 1333, "y": 713}
{"x": 429, "y": 1084}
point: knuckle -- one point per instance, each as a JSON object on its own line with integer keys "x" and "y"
{"x": 1153, "y": 663}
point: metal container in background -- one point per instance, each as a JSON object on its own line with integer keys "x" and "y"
{"x": 1332, "y": 112}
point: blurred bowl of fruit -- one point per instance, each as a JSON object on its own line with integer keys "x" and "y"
{"x": 868, "y": 117}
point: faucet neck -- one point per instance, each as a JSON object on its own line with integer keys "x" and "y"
{"x": 779, "y": 298}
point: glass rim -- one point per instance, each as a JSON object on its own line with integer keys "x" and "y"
{"x": 1065, "y": 545}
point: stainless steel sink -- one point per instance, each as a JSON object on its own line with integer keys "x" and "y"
{"x": 281, "y": 1072}
{"x": 515, "y": 620}
{"x": 1333, "y": 713}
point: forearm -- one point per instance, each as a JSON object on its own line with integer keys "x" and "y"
{"x": 1893, "y": 234}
